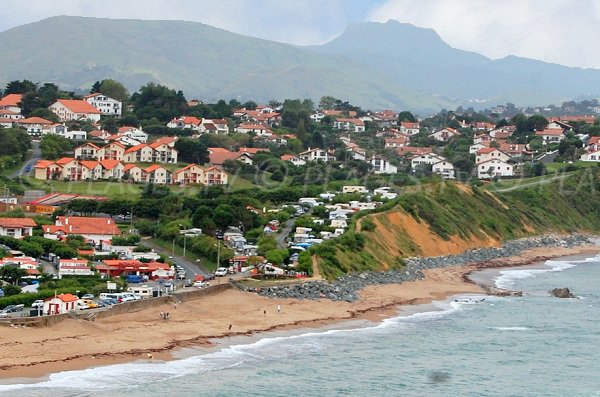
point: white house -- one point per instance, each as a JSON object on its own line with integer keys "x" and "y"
{"x": 257, "y": 129}
{"x": 382, "y": 166}
{"x": 74, "y": 109}
{"x": 443, "y": 168}
{"x": 477, "y": 147}
{"x": 354, "y": 189}
{"x": 591, "y": 156}
{"x": 185, "y": 122}
{"x": 60, "y": 304}
{"x": 385, "y": 192}
{"x": 36, "y": 125}
{"x": 494, "y": 167}
{"x": 425, "y": 159}
{"x": 490, "y": 153}
{"x": 104, "y": 104}
{"x": 17, "y": 227}
{"x": 92, "y": 229}
{"x": 409, "y": 128}
{"x": 317, "y": 117}
{"x": 352, "y": 125}
{"x": 11, "y": 102}
{"x": 445, "y": 134}
{"x": 315, "y": 154}
{"x": 134, "y": 133}
{"x": 74, "y": 267}
{"x": 550, "y": 136}
{"x": 293, "y": 159}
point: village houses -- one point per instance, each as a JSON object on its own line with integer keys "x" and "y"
{"x": 74, "y": 109}
{"x": 17, "y": 227}
{"x": 104, "y": 104}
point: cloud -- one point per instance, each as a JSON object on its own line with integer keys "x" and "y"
{"x": 558, "y": 31}
{"x": 290, "y": 21}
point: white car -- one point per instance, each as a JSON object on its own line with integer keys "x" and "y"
{"x": 200, "y": 284}
{"x": 38, "y": 304}
{"x": 220, "y": 272}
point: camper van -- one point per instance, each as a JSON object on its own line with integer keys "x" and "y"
{"x": 143, "y": 291}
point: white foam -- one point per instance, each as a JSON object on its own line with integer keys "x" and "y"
{"x": 511, "y": 328}
{"x": 508, "y": 278}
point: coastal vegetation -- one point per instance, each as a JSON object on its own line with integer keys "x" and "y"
{"x": 447, "y": 218}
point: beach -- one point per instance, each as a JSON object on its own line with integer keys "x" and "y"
{"x": 77, "y": 344}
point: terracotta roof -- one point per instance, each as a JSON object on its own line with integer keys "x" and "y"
{"x": 97, "y": 133}
{"x": 35, "y": 120}
{"x": 288, "y": 157}
{"x": 84, "y": 225}
{"x": 210, "y": 126}
{"x": 487, "y": 150}
{"x": 89, "y": 163}
{"x": 252, "y": 150}
{"x": 88, "y": 144}
{"x": 64, "y": 160}
{"x": 218, "y": 150}
{"x": 135, "y": 148}
{"x": 358, "y": 122}
{"x": 126, "y": 129}
{"x": 115, "y": 144}
{"x": 43, "y": 164}
{"x": 7, "y": 120}
{"x": 407, "y": 124}
{"x": 163, "y": 141}
{"x": 129, "y": 167}
{"x": 109, "y": 164}
{"x": 78, "y": 106}
{"x": 187, "y": 167}
{"x": 153, "y": 168}
{"x": 219, "y": 121}
{"x": 9, "y": 112}
{"x": 17, "y": 222}
{"x": 11, "y": 100}
{"x": 67, "y": 297}
{"x": 251, "y": 126}
{"x": 413, "y": 149}
{"x": 550, "y": 132}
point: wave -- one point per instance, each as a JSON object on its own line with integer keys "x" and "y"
{"x": 508, "y": 278}
{"x": 512, "y": 328}
{"x": 123, "y": 376}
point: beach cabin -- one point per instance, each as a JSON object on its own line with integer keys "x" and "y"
{"x": 59, "y": 304}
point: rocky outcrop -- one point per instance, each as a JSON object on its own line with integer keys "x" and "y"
{"x": 562, "y": 293}
{"x": 346, "y": 288}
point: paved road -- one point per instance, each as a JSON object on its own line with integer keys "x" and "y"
{"x": 285, "y": 231}
{"x": 36, "y": 154}
{"x": 191, "y": 268}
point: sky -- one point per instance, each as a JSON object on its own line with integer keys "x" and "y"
{"x": 558, "y": 31}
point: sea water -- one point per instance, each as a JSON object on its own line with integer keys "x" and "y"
{"x": 535, "y": 345}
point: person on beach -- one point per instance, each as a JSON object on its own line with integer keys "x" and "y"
{"x": 265, "y": 312}
{"x": 162, "y": 315}
{"x": 278, "y": 309}
{"x": 230, "y": 325}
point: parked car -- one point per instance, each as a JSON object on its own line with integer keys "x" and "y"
{"x": 209, "y": 276}
{"x": 200, "y": 284}
{"x": 181, "y": 276}
{"x": 88, "y": 296}
{"x": 220, "y": 272}
{"x": 90, "y": 303}
{"x": 11, "y": 309}
{"x": 37, "y": 304}
{"x": 134, "y": 278}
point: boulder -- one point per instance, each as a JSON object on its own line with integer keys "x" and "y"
{"x": 562, "y": 293}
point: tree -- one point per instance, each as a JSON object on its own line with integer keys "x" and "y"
{"x": 406, "y": 116}
{"x": 249, "y": 105}
{"x": 327, "y": 102}
{"x": 44, "y": 113}
{"x": 158, "y": 101}
{"x": 55, "y": 146}
{"x": 277, "y": 256}
{"x": 192, "y": 151}
{"x": 12, "y": 274}
{"x": 20, "y": 87}
{"x": 113, "y": 89}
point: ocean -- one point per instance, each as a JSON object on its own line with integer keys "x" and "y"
{"x": 535, "y": 345}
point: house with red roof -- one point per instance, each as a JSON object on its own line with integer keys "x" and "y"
{"x": 11, "y": 102}
{"x": 316, "y": 154}
{"x": 551, "y": 135}
{"x": 297, "y": 161}
{"x": 413, "y": 150}
{"x": 185, "y": 123}
{"x": 91, "y": 170}
{"x": 409, "y": 128}
{"x": 445, "y": 134}
{"x": 391, "y": 143}
{"x": 121, "y": 267}
{"x": 257, "y": 129}
{"x": 35, "y": 125}
{"x": 17, "y": 227}
{"x": 164, "y": 150}
{"x": 157, "y": 174}
{"x": 133, "y": 173}
{"x": 191, "y": 174}
{"x": 104, "y": 104}
{"x": 93, "y": 229}
{"x": 490, "y": 153}
{"x": 111, "y": 169}
{"x": 10, "y": 115}
{"x": 74, "y": 109}
{"x": 134, "y": 133}
{"x": 214, "y": 176}
{"x": 217, "y": 156}
{"x": 112, "y": 151}
{"x": 47, "y": 170}
{"x": 87, "y": 151}
{"x": 60, "y": 304}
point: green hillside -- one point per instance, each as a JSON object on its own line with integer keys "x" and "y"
{"x": 450, "y": 218}
{"x": 203, "y": 61}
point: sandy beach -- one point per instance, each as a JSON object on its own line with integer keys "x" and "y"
{"x": 76, "y": 344}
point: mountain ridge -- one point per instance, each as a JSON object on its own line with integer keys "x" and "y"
{"x": 371, "y": 64}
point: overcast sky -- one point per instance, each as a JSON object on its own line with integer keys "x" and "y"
{"x": 560, "y": 31}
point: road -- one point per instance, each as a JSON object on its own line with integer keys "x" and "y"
{"x": 285, "y": 231}
{"x": 36, "y": 154}
{"x": 530, "y": 184}
{"x": 191, "y": 268}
